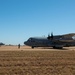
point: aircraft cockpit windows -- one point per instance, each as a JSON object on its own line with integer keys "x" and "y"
{"x": 31, "y": 40}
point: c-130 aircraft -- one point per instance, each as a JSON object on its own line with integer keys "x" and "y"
{"x": 57, "y": 41}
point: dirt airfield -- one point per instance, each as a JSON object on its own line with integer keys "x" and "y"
{"x": 37, "y": 61}
{"x": 27, "y": 48}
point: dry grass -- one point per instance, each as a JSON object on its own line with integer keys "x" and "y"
{"x": 43, "y": 62}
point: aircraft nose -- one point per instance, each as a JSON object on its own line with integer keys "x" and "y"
{"x": 25, "y": 42}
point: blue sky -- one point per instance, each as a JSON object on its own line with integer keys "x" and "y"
{"x": 21, "y": 19}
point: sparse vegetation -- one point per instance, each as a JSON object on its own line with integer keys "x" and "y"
{"x": 37, "y": 62}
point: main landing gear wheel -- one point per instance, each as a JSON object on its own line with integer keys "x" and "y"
{"x": 57, "y": 47}
{"x": 32, "y": 47}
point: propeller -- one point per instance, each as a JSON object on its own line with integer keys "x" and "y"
{"x": 50, "y": 37}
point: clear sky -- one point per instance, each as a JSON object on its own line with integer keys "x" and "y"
{"x": 21, "y": 19}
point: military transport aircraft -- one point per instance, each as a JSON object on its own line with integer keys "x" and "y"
{"x": 57, "y": 41}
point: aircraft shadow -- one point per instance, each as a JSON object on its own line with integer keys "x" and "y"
{"x": 55, "y": 48}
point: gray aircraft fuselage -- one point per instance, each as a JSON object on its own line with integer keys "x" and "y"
{"x": 56, "y": 42}
{"x": 38, "y": 42}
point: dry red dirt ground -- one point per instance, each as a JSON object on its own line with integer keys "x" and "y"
{"x": 38, "y": 61}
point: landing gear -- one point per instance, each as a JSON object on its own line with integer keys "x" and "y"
{"x": 54, "y": 47}
{"x": 57, "y": 47}
{"x": 32, "y": 47}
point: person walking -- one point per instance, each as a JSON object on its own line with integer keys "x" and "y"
{"x": 18, "y": 46}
